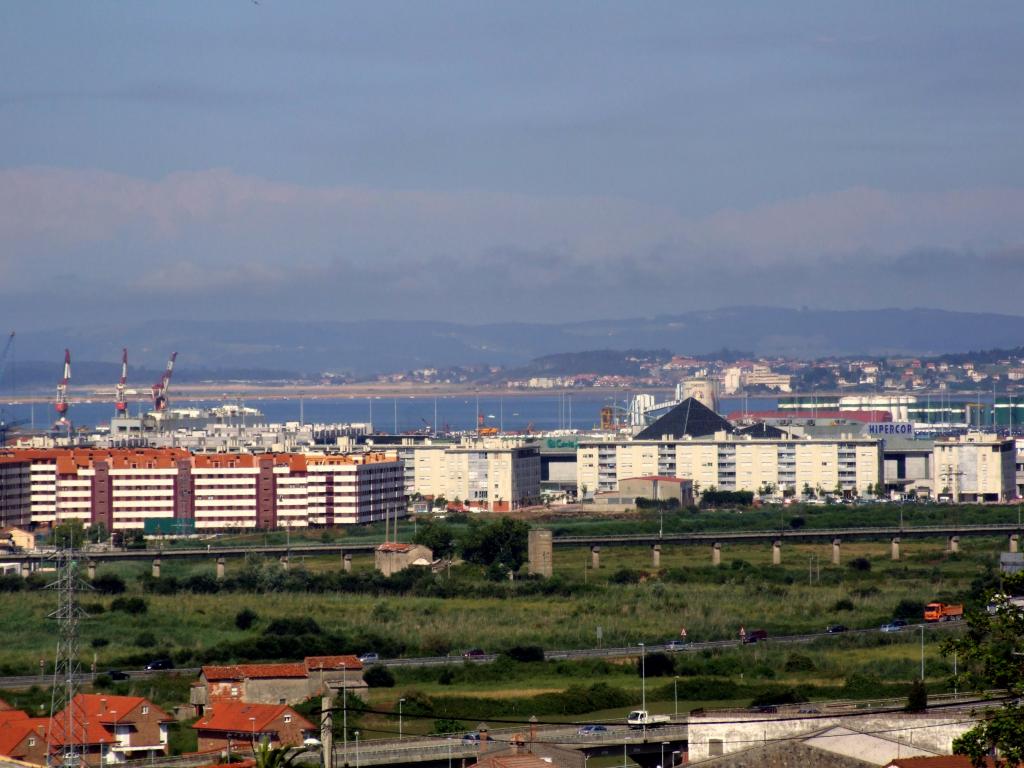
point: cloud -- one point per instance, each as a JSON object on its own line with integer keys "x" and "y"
{"x": 216, "y": 233}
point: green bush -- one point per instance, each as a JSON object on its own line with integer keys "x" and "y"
{"x": 798, "y": 662}
{"x": 379, "y": 676}
{"x": 843, "y": 604}
{"x": 10, "y": 582}
{"x": 100, "y": 642}
{"x": 145, "y": 640}
{"x": 625, "y": 576}
{"x": 132, "y": 605}
{"x": 861, "y": 564}
{"x": 245, "y": 618}
{"x": 108, "y": 584}
{"x": 656, "y": 665}
{"x": 525, "y": 653}
{"x": 908, "y": 609}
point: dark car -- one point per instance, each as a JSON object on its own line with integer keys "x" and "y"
{"x": 474, "y": 653}
{"x": 835, "y": 629}
{"x": 895, "y": 625}
{"x": 590, "y": 730}
{"x": 158, "y": 664}
{"x": 472, "y": 736}
{"x": 756, "y": 636}
{"x": 117, "y": 675}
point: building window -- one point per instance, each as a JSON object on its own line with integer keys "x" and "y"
{"x": 32, "y": 741}
{"x": 287, "y": 718}
{"x": 145, "y": 710}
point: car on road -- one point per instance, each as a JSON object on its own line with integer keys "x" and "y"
{"x": 472, "y": 736}
{"x": 676, "y": 645}
{"x": 590, "y": 730}
{"x": 474, "y": 653}
{"x": 312, "y": 743}
{"x": 756, "y": 636}
{"x": 117, "y": 675}
{"x": 159, "y": 664}
{"x": 895, "y": 625}
{"x": 370, "y": 657}
{"x": 835, "y": 629}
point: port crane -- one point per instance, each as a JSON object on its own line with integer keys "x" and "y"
{"x": 120, "y": 403}
{"x": 161, "y": 387}
{"x": 4, "y": 424}
{"x": 61, "y": 405}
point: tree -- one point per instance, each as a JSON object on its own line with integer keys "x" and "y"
{"x": 379, "y": 676}
{"x": 276, "y": 757}
{"x": 68, "y": 533}
{"x": 917, "y": 699}
{"x": 503, "y": 543}
{"x": 245, "y": 618}
{"x": 991, "y": 655}
{"x": 438, "y": 536}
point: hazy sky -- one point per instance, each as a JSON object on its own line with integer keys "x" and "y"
{"x": 484, "y": 160}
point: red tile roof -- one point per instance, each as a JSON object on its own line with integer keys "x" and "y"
{"x": 115, "y": 709}
{"x": 10, "y": 715}
{"x": 254, "y": 671}
{"x": 394, "y": 546}
{"x": 13, "y": 733}
{"x": 246, "y": 718}
{"x": 333, "y": 663}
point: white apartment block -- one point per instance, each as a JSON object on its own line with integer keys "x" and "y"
{"x": 735, "y": 463}
{"x": 975, "y": 467}
{"x": 494, "y": 474}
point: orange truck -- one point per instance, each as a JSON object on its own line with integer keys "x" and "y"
{"x": 943, "y": 612}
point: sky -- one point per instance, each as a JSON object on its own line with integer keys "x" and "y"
{"x": 480, "y": 161}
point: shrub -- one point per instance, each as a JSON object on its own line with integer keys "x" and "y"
{"x": 202, "y": 584}
{"x": 288, "y": 627}
{"x": 843, "y": 604}
{"x": 10, "y": 582}
{"x": 447, "y": 725}
{"x": 798, "y": 662}
{"x": 100, "y": 642}
{"x": 917, "y": 699}
{"x": 656, "y": 665}
{"x": 525, "y": 653}
{"x": 797, "y": 522}
{"x": 108, "y": 584}
{"x": 245, "y": 618}
{"x": 132, "y": 605}
{"x": 908, "y": 609}
{"x": 145, "y": 640}
{"x": 102, "y": 682}
{"x": 379, "y": 676}
{"x": 625, "y": 576}
{"x": 861, "y": 564}
{"x": 770, "y": 698}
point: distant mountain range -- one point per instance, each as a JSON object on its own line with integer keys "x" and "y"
{"x": 276, "y": 348}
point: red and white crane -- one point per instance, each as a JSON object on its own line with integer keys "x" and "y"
{"x": 119, "y": 401}
{"x": 161, "y": 387}
{"x": 61, "y": 404}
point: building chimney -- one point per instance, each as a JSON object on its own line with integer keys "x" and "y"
{"x": 482, "y": 728}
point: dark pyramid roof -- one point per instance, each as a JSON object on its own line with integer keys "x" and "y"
{"x": 691, "y": 417}
{"x": 762, "y": 430}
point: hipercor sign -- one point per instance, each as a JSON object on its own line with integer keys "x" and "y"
{"x": 903, "y": 428}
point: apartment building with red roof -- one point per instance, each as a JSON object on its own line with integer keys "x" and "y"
{"x": 236, "y": 725}
{"x": 123, "y": 488}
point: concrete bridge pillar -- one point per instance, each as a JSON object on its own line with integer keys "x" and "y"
{"x": 1014, "y": 538}
{"x": 595, "y": 557}
{"x": 895, "y": 544}
{"x": 716, "y": 554}
{"x": 777, "y": 552}
{"x": 26, "y": 569}
{"x": 656, "y": 556}
{"x": 220, "y": 569}
{"x": 284, "y": 562}
{"x": 156, "y": 567}
{"x": 835, "y": 551}
{"x": 346, "y": 563}
{"x": 954, "y": 543}
{"x": 539, "y": 549}
{"x": 90, "y": 570}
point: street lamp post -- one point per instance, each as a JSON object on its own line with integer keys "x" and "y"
{"x": 344, "y": 712}
{"x": 643, "y": 679}
{"x": 663, "y": 745}
{"x": 400, "y": 702}
{"x": 675, "y": 695}
{"x": 922, "y": 652}
{"x": 357, "y": 749}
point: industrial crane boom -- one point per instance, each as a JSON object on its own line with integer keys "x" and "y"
{"x": 161, "y": 387}
{"x": 119, "y": 402}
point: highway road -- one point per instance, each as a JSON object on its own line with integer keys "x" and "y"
{"x": 27, "y": 681}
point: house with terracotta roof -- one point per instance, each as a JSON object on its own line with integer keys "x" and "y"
{"x": 392, "y": 557}
{"x": 132, "y": 727}
{"x": 287, "y": 683}
{"x": 226, "y": 726}
{"x": 23, "y": 737}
